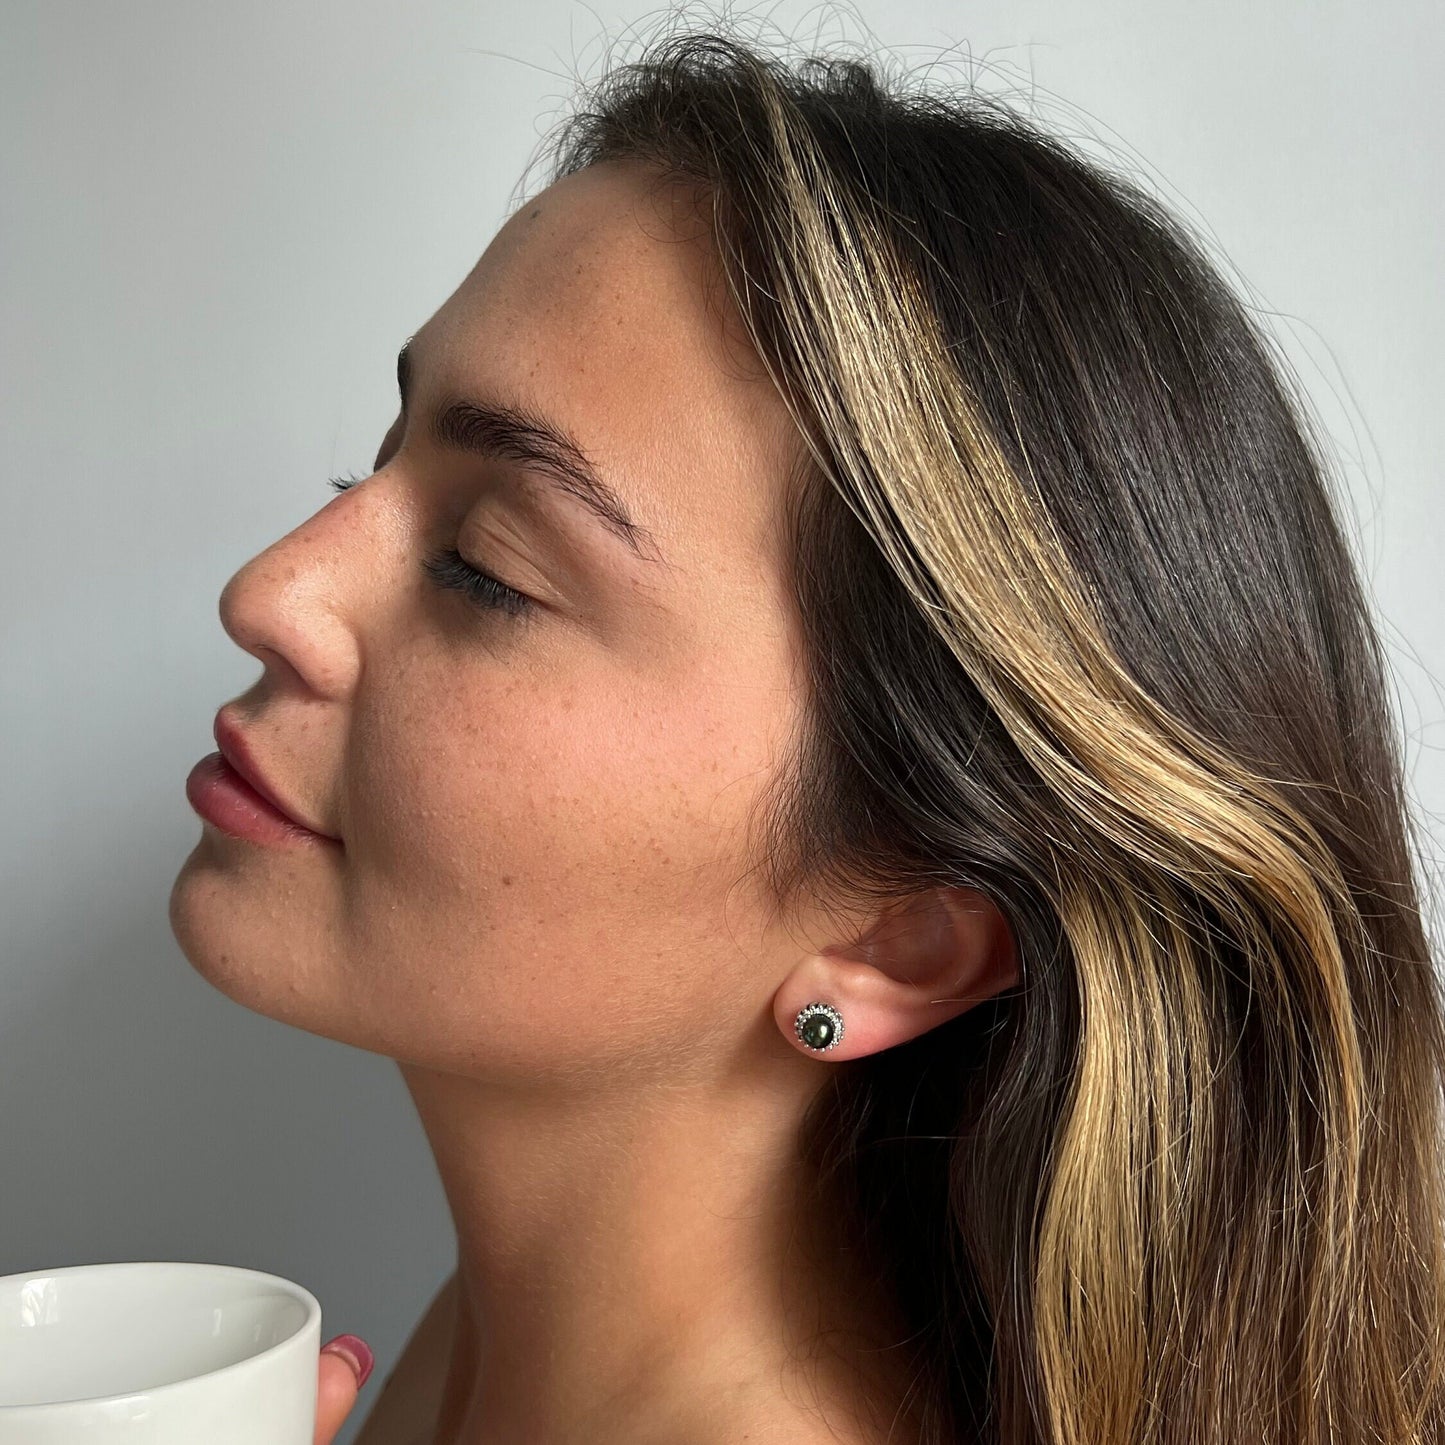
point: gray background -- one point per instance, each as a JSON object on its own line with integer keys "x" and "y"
{"x": 219, "y": 223}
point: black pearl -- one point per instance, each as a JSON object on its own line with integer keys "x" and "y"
{"x": 817, "y": 1031}
{"x": 819, "y": 1026}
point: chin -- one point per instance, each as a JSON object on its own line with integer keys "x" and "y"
{"x": 235, "y": 948}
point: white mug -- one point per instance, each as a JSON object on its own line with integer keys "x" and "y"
{"x": 157, "y": 1353}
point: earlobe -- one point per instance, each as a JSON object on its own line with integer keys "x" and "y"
{"x": 915, "y": 966}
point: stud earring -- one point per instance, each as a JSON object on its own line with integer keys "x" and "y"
{"x": 819, "y": 1026}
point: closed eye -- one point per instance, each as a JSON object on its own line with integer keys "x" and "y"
{"x": 448, "y": 568}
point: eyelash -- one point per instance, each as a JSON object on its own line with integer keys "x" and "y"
{"x": 448, "y": 568}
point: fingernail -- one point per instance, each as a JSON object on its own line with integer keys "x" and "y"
{"x": 356, "y": 1354}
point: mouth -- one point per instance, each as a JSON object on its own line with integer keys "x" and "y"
{"x": 231, "y": 805}
{"x": 242, "y": 772}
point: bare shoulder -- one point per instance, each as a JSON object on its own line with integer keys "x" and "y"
{"x": 405, "y": 1412}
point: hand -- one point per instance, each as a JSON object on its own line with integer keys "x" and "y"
{"x": 342, "y": 1370}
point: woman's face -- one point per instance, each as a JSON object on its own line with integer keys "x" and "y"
{"x": 544, "y": 871}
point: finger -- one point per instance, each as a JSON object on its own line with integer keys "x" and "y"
{"x": 343, "y": 1367}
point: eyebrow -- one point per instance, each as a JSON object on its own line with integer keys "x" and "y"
{"x": 508, "y": 430}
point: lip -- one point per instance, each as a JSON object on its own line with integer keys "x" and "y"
{"x": 236, "y": 750}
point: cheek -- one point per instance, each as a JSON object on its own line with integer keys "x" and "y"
{"x": 542, "y": 871}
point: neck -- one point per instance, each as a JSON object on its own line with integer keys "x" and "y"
{"x": 643, "y": 1264}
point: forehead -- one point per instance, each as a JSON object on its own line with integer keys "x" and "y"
{"x": 601, "y": 304}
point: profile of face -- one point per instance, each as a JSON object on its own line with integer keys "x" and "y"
{"x": 544, "y": 873}
{"x": 539, "y": 809}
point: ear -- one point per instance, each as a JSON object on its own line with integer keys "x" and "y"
{"x": 919, "y": 963}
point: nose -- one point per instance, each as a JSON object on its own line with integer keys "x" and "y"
{"x": 289, "y": 605}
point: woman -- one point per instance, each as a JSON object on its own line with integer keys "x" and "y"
{"x": 843, "y": 752}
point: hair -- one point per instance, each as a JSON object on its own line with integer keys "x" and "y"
{"x": 1083, "y": 633}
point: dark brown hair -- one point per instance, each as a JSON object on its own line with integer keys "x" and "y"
{"x": 1084, "y": 634}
